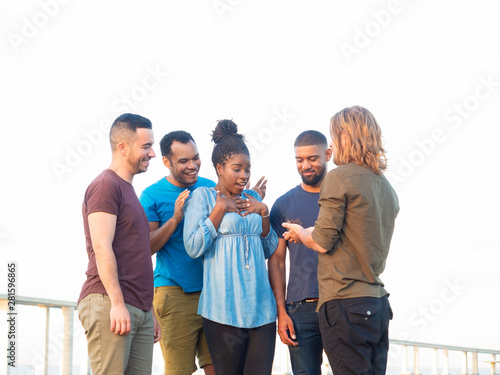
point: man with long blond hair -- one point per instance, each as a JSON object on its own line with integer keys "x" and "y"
{"x": 358, "y": 208}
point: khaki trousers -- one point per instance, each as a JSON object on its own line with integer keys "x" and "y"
{"x": 110, "y": 353}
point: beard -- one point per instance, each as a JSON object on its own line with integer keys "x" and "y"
{"x": 136, "y": 164}
{"x": 315, "y": 178}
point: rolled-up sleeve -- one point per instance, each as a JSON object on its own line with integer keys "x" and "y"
{"x": 332, "y": 202}
{"x": 199, "y": 231}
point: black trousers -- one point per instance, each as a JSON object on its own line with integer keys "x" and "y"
{"x": 355, "y": 334}
{"x": 240, "y": 351}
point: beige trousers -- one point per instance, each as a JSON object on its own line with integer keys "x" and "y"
{"x": 110, "y": 353}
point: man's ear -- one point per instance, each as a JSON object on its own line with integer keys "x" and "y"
{"x": 122, "y": 148}
{"x": 328, "y": 154}
{"x": 166, "y": 162}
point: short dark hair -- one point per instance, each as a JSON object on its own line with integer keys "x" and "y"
{"x": 310, "y": 138}
{"x": 125, "y": 126}
{"x": 174, "y": 136}
{"x": 227, "y": 142}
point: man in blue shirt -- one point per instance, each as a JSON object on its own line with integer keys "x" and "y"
{"x": 298, "y": 324}
{"x": 178, "y": 278}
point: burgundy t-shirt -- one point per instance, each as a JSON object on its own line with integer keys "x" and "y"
{"x": 112, "y": 194}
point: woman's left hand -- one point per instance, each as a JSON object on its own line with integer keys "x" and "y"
{"x": 251, "y": 205}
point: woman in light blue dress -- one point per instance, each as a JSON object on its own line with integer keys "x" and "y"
{"x": 229, "y": 227}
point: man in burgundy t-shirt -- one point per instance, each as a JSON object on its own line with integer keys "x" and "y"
{"x": 116, "y": 298}
{"x": 111, "y": 194}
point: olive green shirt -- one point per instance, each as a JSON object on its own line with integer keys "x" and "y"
{"x": 355, "y": 224}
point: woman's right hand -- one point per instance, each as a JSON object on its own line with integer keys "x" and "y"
{"x": 228, "y": 204}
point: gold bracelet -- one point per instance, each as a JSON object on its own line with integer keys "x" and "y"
{"x": 265, "y": 216}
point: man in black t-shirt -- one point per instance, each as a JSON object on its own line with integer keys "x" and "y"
{"x": 297, "y": 317}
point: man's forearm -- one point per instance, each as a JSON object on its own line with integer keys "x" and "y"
{"x": 108, "y": 273}
{"x": 159, "y": 237}
{"x": 306, "y": 238}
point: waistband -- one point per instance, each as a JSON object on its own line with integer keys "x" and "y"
{"x": 311, "y": 300}
{"x": 307, "y": 300}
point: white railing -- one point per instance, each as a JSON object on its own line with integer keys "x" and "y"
{"x": 439, "y": 353}
{"x": 442, "y": 351}
{"x": 68, "y": 309}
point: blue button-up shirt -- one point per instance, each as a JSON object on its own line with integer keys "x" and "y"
{"x": 236, "y": 289}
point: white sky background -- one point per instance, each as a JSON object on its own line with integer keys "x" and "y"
{"x": 276, "y": 68}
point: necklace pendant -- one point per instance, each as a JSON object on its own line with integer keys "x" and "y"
{"x": 247, "y": 266}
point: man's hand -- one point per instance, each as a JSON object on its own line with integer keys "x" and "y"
{"x": 120, "y": 319}
{"x": 260, "y": 187}
{"x": 179, "y": 205}
{"x": 293, "y": 233}
{"x": 157, "y": 329}
{"x": 297, "y": 234}
{"x": 286, "y": 330}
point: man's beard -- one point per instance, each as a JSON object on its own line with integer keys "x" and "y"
{"x": 315, "y": 178}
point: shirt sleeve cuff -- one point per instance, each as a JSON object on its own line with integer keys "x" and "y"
{"x": 320, "y": 240}
{"x": 211, "y": 228}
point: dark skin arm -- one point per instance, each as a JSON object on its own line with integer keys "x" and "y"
{"x": 159, "y": 236}
{"x": 277, "y": 277}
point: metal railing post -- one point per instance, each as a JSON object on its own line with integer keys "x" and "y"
{"x": 446, "y": 363}
{"x": 47, "y": 334}
{"x": 465, "y": 367}
{"x": 67, "y": 357}
{"x": 416, "y": 361}
{"x": 475, "y": 368}
{"x": 435, "y": 358}
{"x": 493, "y": 365}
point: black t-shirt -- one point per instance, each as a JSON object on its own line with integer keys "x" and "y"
{"x": 298, "y": 204}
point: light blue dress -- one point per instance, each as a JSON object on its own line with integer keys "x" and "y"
{"x": 236, "y": 289}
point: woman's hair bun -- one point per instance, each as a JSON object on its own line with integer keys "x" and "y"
{"x": 225, "y": 128}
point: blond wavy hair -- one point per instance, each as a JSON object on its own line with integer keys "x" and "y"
{"x": 358, "y": 139}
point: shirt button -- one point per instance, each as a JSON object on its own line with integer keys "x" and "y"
{"x": 368, "y": 312}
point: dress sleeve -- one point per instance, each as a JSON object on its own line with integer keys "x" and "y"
{"x": 270, "y": 242}
{"x": 199, "y": 232}
{"x": 332, "y": 202}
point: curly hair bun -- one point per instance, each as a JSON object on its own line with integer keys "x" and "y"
{"x": 224, "y": 129}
